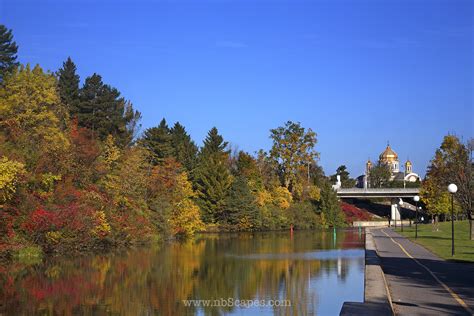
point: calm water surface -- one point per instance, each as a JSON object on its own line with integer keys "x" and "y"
{"x": 312, "y": 270}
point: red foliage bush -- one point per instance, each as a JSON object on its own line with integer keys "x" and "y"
{"x": 72, "y": 220}
{"x": 6, "y": 225}
{"x": 354, "y": 213}
{"x": 41, "y": 220}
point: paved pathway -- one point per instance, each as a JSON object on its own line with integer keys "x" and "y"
{"x": 421, "y": 283}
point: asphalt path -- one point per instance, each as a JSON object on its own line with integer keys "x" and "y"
{"x": 419, "y": 282}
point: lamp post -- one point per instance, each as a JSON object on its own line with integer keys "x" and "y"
{"x": 452, "y": 188}
{"x": 400, "y": 203}
{"x": 416, "y": 198}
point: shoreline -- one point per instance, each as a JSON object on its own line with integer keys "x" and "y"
{"x": 377, "y": 300}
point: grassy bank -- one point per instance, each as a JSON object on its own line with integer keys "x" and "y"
{"x": 439, "y": 242}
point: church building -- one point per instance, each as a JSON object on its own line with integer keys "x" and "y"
{"x": 390, "y": 158}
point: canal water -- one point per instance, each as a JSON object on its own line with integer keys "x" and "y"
{"x": 309, "y": 273}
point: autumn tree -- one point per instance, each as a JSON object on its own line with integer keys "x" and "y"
{"x": 436, "y": 199}
{"x": 83, "y": 162}
{"x": 246, "y": 166}
{"x": 127, "y": 180}
{"x": 171, "y": 196}
{"x": 33, "y": 120}
{"x": 10, "y": 174}
{"x": 185, "y": 217}
{"x": 293, "y": 151}
{"x": 452, "y": 163}
{"x": 268, "y": 170}
{"x": 8, "y": 51}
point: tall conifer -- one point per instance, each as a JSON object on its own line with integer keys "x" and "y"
{"x": 68, "y": 84}
{"x": 8, "y": 51}
{"x": 212, "y": 178}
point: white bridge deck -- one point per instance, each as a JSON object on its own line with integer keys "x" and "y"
{"x": 377, "y": 193}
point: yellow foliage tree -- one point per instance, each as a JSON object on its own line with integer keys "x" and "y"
{"x": 263, "y": 197}
{"x": 10, "y": 173}
{"x": 127, "y": 182}
{"x": 110, "y": 154}
{"x": 437, "y": 201}
{"x": 32, "y": 118}
{"x": 282, "y": 197}
{"x": 185, "y": 216}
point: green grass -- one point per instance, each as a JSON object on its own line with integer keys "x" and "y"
{"x": 439, "y": 242}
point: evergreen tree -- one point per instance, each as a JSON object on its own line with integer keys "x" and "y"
{"x": 212, "y": 178}
{"x": 103, "y": 110}
{"x": 212, "y": 181}
{"x": 330, "y": 207}
{"x": 8, "y": 51}
{"x": 379, "y": 175}
{"x": 89, "y": 102}
{"x": 68, "y": 84}
{"x": 158, "y": 140}
{"x": 214, "y": 144}
{"x": 346, "y": 181}
{"x": 184, "y": 149}
{"x": 241, "y": 209}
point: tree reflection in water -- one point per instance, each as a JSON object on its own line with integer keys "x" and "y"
{"x": 156, "y": 280}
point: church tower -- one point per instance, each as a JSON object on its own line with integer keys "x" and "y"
{"x": 408, "y": 167}
{"x": 390, "y": 158}
{"x": 368, "y": 166}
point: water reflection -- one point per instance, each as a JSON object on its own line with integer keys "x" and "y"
{"x": 314, "y": 270}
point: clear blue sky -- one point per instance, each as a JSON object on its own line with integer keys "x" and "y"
{"x": 359, "y": 73}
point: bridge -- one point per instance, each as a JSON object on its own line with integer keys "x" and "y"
{"x": 395, "y": 194}
{"x": 362, "y": 193}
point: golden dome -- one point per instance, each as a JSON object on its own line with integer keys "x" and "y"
{"x": 408, "y": 163}
{"x": 388, "y": 155}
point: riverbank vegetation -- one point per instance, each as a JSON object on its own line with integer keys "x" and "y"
{"x": 76, "y": 173}
{"x": 437, "y": 238}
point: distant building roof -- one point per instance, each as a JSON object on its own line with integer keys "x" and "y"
{"x": 388, "y": 155}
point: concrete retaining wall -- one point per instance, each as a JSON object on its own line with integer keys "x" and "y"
{"x": 378, "y": 223}
{"x": 376, "y": 296}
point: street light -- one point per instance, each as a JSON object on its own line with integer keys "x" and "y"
{"x": 401, "y": 219}
{"x": 416, "y": 198}
{"x": 452, "y": 188}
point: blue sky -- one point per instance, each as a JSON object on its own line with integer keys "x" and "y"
{"x": 359, "y": 73}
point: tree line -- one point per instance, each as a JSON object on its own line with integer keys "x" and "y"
{"x": 75, "y": 173}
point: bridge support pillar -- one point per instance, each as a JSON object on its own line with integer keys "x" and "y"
{"x": 395, "y": 212}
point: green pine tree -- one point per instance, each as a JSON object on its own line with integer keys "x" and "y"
{"x": 106, "y": 113}
{"x": 240, "y": 207}
{"x": 212, "y": 178}
{"x": 158, "y": 140}
{"x": 214, "y": 144}
{"x": 8, "y": 51}
{"x": 184, "y": 149}
{"x": 212, "y": 181}
{"x": 330, "y": 207}
{"x": 68, "y": 84}
{"x": 346, "y": 180}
